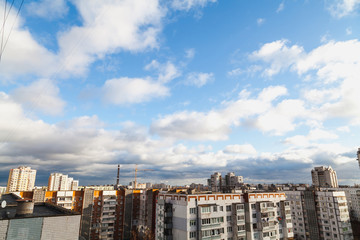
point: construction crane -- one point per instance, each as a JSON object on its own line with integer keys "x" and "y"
{"x": 136, "y": 170}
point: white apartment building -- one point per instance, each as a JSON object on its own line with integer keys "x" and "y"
{"x": 250, "y": 216}
{"x": 320, "y": 215}
{"x": 61, "y": 182}
{"x": 21, "y": 179}
{"x": 353, "y": 200}
{"x": 324, "y": 177}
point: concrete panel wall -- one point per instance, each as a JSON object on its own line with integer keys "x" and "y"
{"x": 61, "y": 228}
{"x": 3, "y": 229}
{"x": 27, "y": 228}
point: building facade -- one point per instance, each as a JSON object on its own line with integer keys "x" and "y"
{"x": 61, "y": 182}
{"x": 320, "y": 215}
{"x": 324, "y": 177}
{"x": 21, "y": 179}
{"x": 223, "y": 216}
{"x": 229, "y": 183}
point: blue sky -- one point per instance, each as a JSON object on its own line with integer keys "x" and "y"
{"x": 267, "y": 89}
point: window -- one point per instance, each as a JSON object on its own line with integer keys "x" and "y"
{"x": 253, "y": 206}
{"x": 254, "y": 215}
{"x": 205, "y": 209}
{"x": 192, "y": 210}
{"x": 228, "y": 208}
{"x": 241, "y": 228}
{"x": 228, "y": 218}
{"x": 192, "y": 222}
{"x": 254, "y": 226}
{"x": 229, "y": 229}
{"x": 221, "y": 208}
{"x": 192, "y": 234}
{"x": 215, "y": 209}
{"x": 240, "y": 207}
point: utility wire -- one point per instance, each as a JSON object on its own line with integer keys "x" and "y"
{"x": 7, "y": 38}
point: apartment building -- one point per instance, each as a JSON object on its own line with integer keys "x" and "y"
{"x": 324, "y": 177}
{"x": 217, "y": 183}
{"x": 320, "y": 214}
{"x": 21, "y": 179}
{"x": 223, "y": 216}
{"x": 61, "y": 182}
{"x": 105, "y": 214}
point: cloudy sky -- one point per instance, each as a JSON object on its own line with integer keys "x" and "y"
{"x": 267, "y": 89}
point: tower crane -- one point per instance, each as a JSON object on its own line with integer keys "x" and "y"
{"x": 136, "y": 170}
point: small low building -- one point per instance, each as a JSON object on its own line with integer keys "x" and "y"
{"x": 23, "y": 219}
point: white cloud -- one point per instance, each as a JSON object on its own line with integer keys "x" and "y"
{"x": 348, "y": 31}
{"x": 216, "y": 124}
{"x": 23, "y": 54}
{"x": 280, "y": 119}
{"x": 281, "y": 7}
{"x": 110, "y": 26}
{"x": 336, "y": 66}
{"x": 167, "y": 71}
{"x": 317, "y": 134}
{"x": 199, "y": 79}
{"x": 278, "y": 55}
{"x": 132, "y": 90}
{"x": 247, "y": 149}
{"x": 343, "y": 129}
{"x": 260, "y": 21}
{"x": 342, "y": 8}
{"x": 41, "y": 95}
{"x": 49, "y": 9}
{"x": 188, "y": 4}
{"x": 190, "y": 53}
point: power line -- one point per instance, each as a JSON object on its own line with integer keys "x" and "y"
{"x": 3, "y": 45}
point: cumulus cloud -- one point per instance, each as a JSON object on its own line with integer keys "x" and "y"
{"x": 49, "y": 9}
{"x": 240, "y": 149}
{"x": 41, "y": 95}
{"x": 343, "y": 8}
{"x": 167, "y": 71}
{"x": 110, "y": 26}
{"x": 189, "y": 4}
{"x": 23, "y": 54}
{"x": 278, "y": 55}
{"x": 336, "y": 65}
{"x": 199, "y": 79}
{"x": 132, "y": 90}
{"x": 216, "y": 124}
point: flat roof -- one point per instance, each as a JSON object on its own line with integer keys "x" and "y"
{"x": 40, "y": 209}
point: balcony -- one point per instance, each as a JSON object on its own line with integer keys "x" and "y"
{"x": 211, "y": 237}
{"x": 267, "y": 209}
{"x": 212, "y": 225}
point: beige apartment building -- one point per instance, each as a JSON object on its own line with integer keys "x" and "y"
{"x": 21, "y": 179}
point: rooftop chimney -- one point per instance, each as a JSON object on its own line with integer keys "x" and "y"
{"x": 24, "y": 207}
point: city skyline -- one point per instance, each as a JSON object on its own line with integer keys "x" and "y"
{"x": 267, "y": 90}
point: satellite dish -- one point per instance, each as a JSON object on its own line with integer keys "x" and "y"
{"x": 3, "y": 204}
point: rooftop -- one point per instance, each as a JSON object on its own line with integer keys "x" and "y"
{"x": 40, "y": 209}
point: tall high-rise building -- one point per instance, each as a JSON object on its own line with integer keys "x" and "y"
{"x": 358, "y": 156}
{"x": 324, "y": 177}
{"x": 21, "y": 179}
{"x": 60, "y": 182}
{"x": 320, "y": 214}
{"x": 219, "y": 184}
